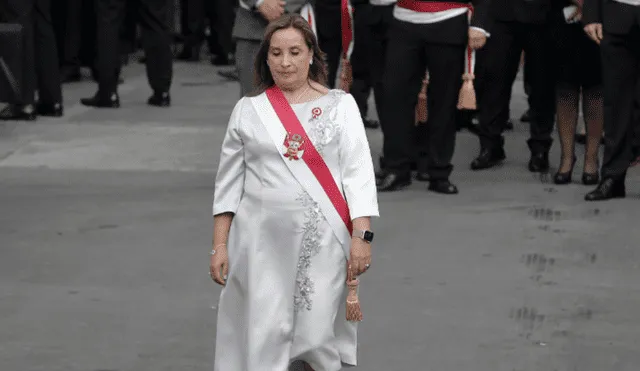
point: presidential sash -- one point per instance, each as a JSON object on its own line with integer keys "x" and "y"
{"x": 305, "y": 163}
{"x": 307, "y": 13}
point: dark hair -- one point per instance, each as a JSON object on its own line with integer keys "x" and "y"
{"x": 262, "y": 73}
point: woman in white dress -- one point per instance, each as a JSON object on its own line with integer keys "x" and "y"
{"x": 294, "y": 194}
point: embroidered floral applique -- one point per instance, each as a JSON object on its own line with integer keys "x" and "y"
{"x": 325, "y": 125}
{"x": 310, "y": 247}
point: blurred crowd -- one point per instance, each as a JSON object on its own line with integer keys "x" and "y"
{"x": 433, "y": 67}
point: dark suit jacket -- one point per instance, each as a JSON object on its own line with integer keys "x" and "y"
{"x": 525, "y": 11}
{"x": 616, "y": 18}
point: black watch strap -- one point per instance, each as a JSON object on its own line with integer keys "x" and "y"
{"x": 364, "y": 234}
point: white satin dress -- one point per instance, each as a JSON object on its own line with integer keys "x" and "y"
{"x": 285, "y": 294}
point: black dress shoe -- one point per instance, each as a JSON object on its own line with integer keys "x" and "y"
{"x": 422, "y": 176}
{"x": 18, "y": 113}
{"x": 221, "y": 60}
{"x": 160, "y": 100}
{"x": 590, "y": 179}
{"x": 565, "y": 178}
{"x": 101, "y": 101}
{"x": 413, "y": 165}
{"x": 539, "y": 162}
{"x": 70, "y": 75}
{"x": 189, "y": 54}
{"x": 393, "y": 182}
{"x": 488, "y": 158}
{"x": 443, "y": 186}
{"x": 609, "y": 188}
{"x": 52, "y": 110}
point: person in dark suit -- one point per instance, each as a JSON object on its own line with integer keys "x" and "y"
{"x": 329, "y": 35}
{"x": 615, "y": 26}
{"x": 425, "y": 35}
{"x": 153, "y": 16}
{"x": 220, "y": 14}
{"x": 41, "y": 71}
{"x": 68, "y": 19}
{"x": 578, "y": 74}
{"x": 519, "y": 25}
{"x": 367, "y": 59}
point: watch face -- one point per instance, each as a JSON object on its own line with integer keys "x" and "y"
{"x": 368, "y": 236}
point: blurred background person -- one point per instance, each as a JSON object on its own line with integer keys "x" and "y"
{"x": 153, "y": 17}
{"x": 615, "y": 26}
{"x": 578, "y": 74}
{"x": 40, "y": 56}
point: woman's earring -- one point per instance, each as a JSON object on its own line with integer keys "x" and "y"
{"x": 311, "y": 61}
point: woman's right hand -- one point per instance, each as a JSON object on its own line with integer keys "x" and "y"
{"x": 219, "y": 265}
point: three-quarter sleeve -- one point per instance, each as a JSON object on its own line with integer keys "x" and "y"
{"x": 229, "y": 185}
{"x": 356, "y": 164}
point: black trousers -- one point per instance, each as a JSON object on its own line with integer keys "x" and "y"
{"x": 360, "y": 59}
{"x": 73, "y": 34}
{"x": 156, "y": 41}
{"x": 374, "y": 26}
{"x": 501, "y": 60}
{"x": 41, "y": 71}
{"x": 222, "y": 17}
{"x": 67, "y": 26}
{"x": 220, "y": 14}
{"x": 621, "y": 89}
{"x": 409, "y": 55}
{"x": 328, "y": 25}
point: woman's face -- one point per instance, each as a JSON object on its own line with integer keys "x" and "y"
{"x": 289, "y": 58}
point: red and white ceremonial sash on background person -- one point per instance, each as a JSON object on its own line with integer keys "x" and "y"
{"x": 307, "y": 13}
{"x": 346, "y": 15}
{"x": 441, "y": 6}
{"x": 313, "y": 175}
{"x": 347, "y": 31}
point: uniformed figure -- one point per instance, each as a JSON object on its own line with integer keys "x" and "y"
{"x": 67, "y": 22}
{"x": 518, "y": 25}
{"x": 367, "y": 59}
{"x": 156, "y": 41}
{"x": 329, "y": 35}
{"x": 40, "y": 60}
{"x": 615, "y": 25}
{"x": 426, "y": 35}
{"x": 220, "y": 15}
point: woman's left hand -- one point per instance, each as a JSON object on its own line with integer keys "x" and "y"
{"x": 360, "y": 256}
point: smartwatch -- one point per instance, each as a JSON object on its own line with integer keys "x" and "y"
{"x": 365, "y": 235}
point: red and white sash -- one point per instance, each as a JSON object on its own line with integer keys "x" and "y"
{"x": 441, "y": 6}
{"x": 346, "y": 27}
{"x": 307, "y": 167}
{"x": 307, "y": 13}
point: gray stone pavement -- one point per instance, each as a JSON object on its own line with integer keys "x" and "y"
{"x": 105, "y": 226}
